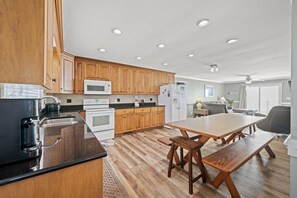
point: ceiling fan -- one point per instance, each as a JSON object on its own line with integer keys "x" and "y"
{"x": 249, "y": 79}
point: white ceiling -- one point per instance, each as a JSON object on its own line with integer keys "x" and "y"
{"x": 263, "y": 28}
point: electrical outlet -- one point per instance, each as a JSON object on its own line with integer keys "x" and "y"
{"x": 151, "y": 99}
{"x": 69, "y": 101}
{"x": 118, "y": 100}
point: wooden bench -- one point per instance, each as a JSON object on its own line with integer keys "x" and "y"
{"x": 232, "y": 157}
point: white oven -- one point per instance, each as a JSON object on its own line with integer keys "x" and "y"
{"x": 97, "y": 87}
{"x": 100, "y": 118}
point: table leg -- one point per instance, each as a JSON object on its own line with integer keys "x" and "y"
{"x": 269, "y": 151}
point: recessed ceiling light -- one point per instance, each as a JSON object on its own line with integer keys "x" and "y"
{"x": 161, "y": 45}
{"x": 203, "y": 22}
{"x": 138, "y": 57}
{"x": 102, "y": 50}
{"x": 232, "y": 40}
{"x": 117, "y": 31}
{"x": 165, "y": 64}
{"x": 190, "y": 55}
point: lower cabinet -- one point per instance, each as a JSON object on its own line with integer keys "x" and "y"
{"x": 157, "y": 116}
{"x": 65, "y": 183}
{"x": 134, "y": 119}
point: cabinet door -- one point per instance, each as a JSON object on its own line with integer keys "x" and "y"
{"x": 133, "y": 81}
{"x": 156, "y": 83}
{"x": 126, "y": 80}
{"x": 91, "y": 71}
{"x": 161, "y": 118}
{"x": 79, "y": 77}
{"x": 119, "y": 124}
{"x": 128, "y": 122}
{"x": 140, "y": 80}
{"x": 171, "y": 78}
{"x": 49, "y": 45}
{"x": 103, "y": 72}
{"x": 147, "y": 120}
{"x": 164, "y": 78}
{"x": 137, "y": 121}
{"x": 154, "y": 119}
{"x": 149, "y": 83}
{"x": 67, "y": 81}
{"x": 115, "y": 79}
{"x": 56, "y": 77}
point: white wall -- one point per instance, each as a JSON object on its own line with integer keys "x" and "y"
{"x": 78, "y": 99}
{"x": 232, "y": 90}
{"x": 293, "y": 160}
{"x": 195, "y": 89}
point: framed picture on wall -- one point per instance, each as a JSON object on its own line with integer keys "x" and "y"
{"x": 208, "y": 90}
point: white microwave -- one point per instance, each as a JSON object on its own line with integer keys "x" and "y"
{"x": 97, "y": 87}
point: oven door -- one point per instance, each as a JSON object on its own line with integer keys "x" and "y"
{"x": 100, "y": 120}
{"x": 97, "y": 87}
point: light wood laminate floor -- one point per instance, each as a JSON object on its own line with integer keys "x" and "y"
{"x": 140, "y": 162}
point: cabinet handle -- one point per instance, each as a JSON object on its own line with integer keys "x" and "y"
{"x": 54, "y": 80}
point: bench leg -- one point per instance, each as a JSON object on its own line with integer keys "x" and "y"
{"x": 269, "y": 151}
{"x": 220, "y": 178}
{"x": 231, "y": 187}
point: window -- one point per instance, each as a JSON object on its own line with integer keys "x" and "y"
{"x": 262, "y": 98}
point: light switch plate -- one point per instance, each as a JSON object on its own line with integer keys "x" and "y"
{"x": 292, "y": 147}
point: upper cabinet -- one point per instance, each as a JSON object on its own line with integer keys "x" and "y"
{"x": 29, "y": 42}
{"x": 125, "y": 79}
{"x": 67, "y": 73}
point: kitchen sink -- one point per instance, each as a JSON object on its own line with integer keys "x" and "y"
{"x": 59, "y": 122}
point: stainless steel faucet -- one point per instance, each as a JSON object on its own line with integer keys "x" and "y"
{"x": 57, "y": 100}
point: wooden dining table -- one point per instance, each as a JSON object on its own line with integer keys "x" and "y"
{"x": 218, "y": 126}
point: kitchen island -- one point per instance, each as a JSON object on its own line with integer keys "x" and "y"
{"x": 71, "y": 162}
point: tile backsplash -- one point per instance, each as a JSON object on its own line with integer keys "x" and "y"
{"x": 74, "y": 99}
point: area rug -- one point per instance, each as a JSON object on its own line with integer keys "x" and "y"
{"x": 112, "y": 186}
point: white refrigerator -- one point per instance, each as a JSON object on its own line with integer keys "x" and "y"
{"x": 174, "y": 98}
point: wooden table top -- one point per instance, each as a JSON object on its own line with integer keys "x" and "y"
{"x": 216, "y": 126}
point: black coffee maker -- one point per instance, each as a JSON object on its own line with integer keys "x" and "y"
{"x": 19, "y": 132}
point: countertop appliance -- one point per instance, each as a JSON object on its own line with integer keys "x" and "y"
{"x": 174, "y": 98}
{"x": 97, "y": 87}
{"x": 99, "y": 118}
{"x": 20, "y": 109}
{"x": 19, "y": 132}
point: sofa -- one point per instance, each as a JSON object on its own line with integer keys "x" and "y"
{"x": 278, "y": 120}
{"x": 214, "y": 107}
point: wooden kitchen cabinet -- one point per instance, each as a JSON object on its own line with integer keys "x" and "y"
{"x": 171, "y": 78}
{"x": 104, "y": 72}
{"x": 67, "y": 182}
{"x": 140, "y": 81}
{"x": 91, "y": 71}
{"x": 125, "y": 79}
{"x": 67, "y": 73}
{"x": 157, "y": 116}
{"x": 27, "y": 37}
{"x": 134, "y": 119}
{"x": 115, "y": 77}
{"x": 124, "y": 121}
{"x": 79, "y": 76}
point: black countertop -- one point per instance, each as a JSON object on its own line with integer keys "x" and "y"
{"x": 78, "y": 144}
{"x": 69, "y": 108}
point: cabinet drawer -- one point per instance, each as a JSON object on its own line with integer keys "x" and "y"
{"x": 157, "y": 109}
{"x": 123, "y": 111}
{"x": 142, "y": 110}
